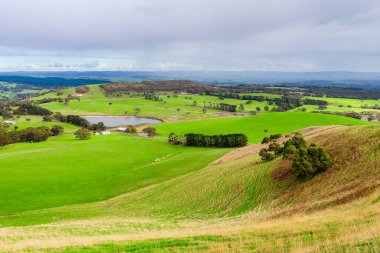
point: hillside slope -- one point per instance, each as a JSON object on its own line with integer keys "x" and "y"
{"x": 240, "y": 205}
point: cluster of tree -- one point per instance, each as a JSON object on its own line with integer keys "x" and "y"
{"x": 156, "y": 86}
{"x": 340, "y": 92}
{"x": 6, "y": 112}
{"x": 227, "y": 107}
{"x": 73, "y": 119}
{"x": 223, "y": 95}
{"x": 49, "y": 100}
{"x": 82, "y": 89}
{"x": 31, "y": 109}
{"x": 288, "y": 102}
{"x": 307, "y": 160}
{"x": 153, "y": 97}
{"x": 354, "y": 115}
{"x": 30, "y": 134}
{"x": 308, "y": 101}
{"x": 98, "y": 127}
{"x": 200, "y": 140}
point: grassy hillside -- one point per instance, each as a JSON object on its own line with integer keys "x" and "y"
{"x": 253, "y": 126}
{"x": 237, "y": 205}
{"x": 64, "y": 170}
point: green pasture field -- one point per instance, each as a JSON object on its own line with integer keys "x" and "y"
{"x": 253, "y": 126}
{"x": 96, "y": 103}
{"x": 64, "y": 170}
{"x": 36, "y": 121}
{"x": 343, "y": 105}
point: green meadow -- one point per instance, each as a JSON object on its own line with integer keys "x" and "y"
{"x": 254, "y": 126}
{"x": 64, "y": 170}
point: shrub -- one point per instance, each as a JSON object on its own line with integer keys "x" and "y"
{"x": 83, "y": 134}
{"x": 57, "y": 130}
{"x": 151, "y": 131}
{"x": 82, "y": 89}
{"x": 131, "y": 130}
{"x": 47, "y": 118}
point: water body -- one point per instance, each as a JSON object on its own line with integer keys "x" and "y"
{"x": 115, "y": 121}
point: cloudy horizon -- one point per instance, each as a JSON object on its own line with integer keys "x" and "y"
{"x": 240, "y": 35}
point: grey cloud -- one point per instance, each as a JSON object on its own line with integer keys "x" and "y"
{"x": 216, "y": 34}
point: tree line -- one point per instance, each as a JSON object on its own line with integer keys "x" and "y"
{"x": 30, "y": 134}
{"x": 201, "y": 140}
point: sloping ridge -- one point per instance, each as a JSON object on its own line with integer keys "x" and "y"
{"x": 240, "y": 182}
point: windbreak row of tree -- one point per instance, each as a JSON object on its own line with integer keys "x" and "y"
{"x": 307, "y": 160}
{"x": 200, "y": 140}
{"x": 308, "y": 101}
{"x": 30, "y": 134}
{"x": 354, "y": 115}
{"x": 284, "y": 103}
{"x": 79, "y": 121}
{"x": 373, "y": 107}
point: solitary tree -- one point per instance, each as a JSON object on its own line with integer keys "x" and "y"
{"x": 83, "y": 134}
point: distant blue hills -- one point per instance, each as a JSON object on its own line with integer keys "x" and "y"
{"x": 71, "y": 78}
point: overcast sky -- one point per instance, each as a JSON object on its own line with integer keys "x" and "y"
{"x": 281, "y": 35}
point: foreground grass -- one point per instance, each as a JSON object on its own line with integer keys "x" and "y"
{"x": 253, "y": 126}
{"x": 64, "y": 170}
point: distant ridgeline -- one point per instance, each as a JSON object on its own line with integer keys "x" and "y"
{"x": 160, "y": 86}
{"x": 51, "y": 82}
{"x": 235, "y": 91}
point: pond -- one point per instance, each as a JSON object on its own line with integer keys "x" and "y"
{"x": 114, "y": 121}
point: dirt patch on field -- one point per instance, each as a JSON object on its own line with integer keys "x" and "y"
{"x": 253, "y": 149}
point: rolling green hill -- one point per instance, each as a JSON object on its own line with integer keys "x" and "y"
{"x": 238, "y": 204}
{"x": 64, "y": 170}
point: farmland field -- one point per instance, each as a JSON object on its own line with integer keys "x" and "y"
{"x": 254, "y": 126}
{"x": 96, "y": 103}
